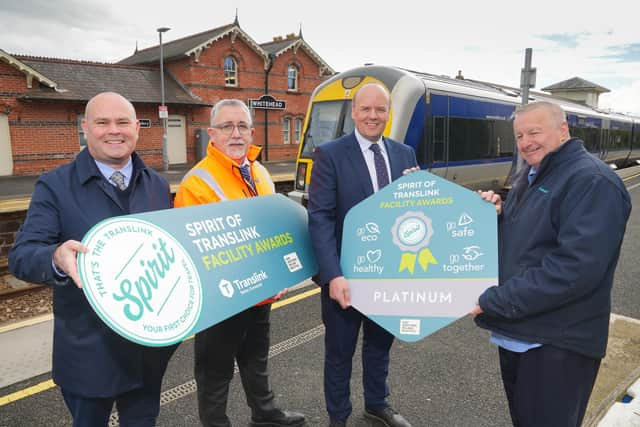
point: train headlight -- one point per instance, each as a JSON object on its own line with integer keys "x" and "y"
{"x": 301, "y": 176}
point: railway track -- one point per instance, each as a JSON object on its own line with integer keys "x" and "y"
{"x": 10, "y": 293}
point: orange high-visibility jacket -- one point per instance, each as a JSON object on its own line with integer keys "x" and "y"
{"x": 216, "y": 178}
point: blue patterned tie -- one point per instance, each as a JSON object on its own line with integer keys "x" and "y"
{"x": 118, "y": 178}
{"x": 248, "y": 179}
{"x": 381, "y": 166}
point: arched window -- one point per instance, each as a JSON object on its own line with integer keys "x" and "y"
{"x": 230, "y": 71}
{"x": 292, "y": 77}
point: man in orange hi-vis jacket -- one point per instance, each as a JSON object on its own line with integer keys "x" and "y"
{"x": 230, "y": 171}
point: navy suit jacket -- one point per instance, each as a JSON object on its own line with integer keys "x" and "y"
{"x": 89, "y": 359}
{"x": 339, "y": 180}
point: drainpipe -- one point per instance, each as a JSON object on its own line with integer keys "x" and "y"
{"x": 266, "y": 111}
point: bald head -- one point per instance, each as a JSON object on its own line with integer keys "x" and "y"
{"x": 110, "y": 97}
{"x": 111, "y": 129}
{"x": 370, "y": 110}
{"x": 372, "y": 87}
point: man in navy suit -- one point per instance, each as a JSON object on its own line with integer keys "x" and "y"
{"x": 93, "y": 365}
{"x": 347, "y": 171}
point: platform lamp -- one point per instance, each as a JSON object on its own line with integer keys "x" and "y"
{"x": 165, "y": 156}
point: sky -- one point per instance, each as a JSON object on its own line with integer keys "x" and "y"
{"x": 486, "y": 40}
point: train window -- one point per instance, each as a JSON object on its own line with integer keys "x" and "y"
{"x": 348, "y": 126}
{"x": 438, "y": 139}
{"x": 322, "y": 127}
{"x": 503, "y": 138}
{"x": 469, "y": 139}
{"x": 591, "y": 136}
{"x": 619, "y": 137}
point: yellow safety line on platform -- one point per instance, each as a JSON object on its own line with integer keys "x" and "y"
{"x": 46, "y": 385}
{"x": 30, "y": 391}
{"x": 295, "y": 298}
{"x": 631, "y": 177}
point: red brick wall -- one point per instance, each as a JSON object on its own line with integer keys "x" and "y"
{"x": 44, "y": 135}
{"x": 205, "y": 78}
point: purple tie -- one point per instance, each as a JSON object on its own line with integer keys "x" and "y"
{"x": 248, "y": 179}
{"x": 381, "y": 166}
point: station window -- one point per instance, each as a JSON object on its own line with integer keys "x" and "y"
{"x": 230, "y": 71}
{"x": 286, "y": 131}
{"x": 298, "y": 130}
{"x": 292, "y": 77}
{"x": 81, "y": 137}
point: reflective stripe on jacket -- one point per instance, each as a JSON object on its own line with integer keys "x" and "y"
{"x": 216, "y": 178}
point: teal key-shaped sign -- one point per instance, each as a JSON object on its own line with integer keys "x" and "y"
{"x": 419, "y": 253}
{"x": 158, "y": 277}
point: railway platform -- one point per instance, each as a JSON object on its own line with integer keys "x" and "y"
{"x": 15, "y": 191}
{"x": 26, "y": 354}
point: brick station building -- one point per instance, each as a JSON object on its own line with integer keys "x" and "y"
{"x": 42, "y": 99}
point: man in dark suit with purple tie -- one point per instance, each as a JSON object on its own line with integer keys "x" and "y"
{"x": 347, "y": 171}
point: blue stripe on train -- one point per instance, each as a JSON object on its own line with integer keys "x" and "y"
{"x": 438, "y": 165}
{"x": 469, "y": 108}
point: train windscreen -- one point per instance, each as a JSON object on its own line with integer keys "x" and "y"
{"x": 329, "y": 120}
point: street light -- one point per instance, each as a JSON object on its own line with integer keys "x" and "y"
{"x": 163, "y": 114}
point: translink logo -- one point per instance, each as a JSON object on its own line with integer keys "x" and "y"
{"x": 226, "y": 288}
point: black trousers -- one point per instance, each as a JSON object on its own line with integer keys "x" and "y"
{"x": 243, "y": 338}
{"x": 341, "y": 338}
{"x": 136, "y": 408}
{"x": 547, "y": 386}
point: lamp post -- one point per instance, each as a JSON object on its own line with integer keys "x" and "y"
{"x": 163, "y": 113}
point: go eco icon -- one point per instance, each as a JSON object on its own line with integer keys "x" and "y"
{"x": 157, "y": 277}
{"x": 418, "y": 253}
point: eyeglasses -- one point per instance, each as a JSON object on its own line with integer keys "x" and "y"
{"x": 227, "y": 128}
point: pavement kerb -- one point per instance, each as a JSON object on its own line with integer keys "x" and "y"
{"x": 617, "y": 360}
{"x": 10, "y": 326}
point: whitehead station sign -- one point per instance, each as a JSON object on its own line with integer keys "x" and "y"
{"x": 267, "y": 102}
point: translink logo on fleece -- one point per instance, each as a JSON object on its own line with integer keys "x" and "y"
{"x": 243, "y": 286}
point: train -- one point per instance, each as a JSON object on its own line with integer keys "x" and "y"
{"x": 460, "y": 129}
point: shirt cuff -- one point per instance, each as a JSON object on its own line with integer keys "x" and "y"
{"x": 57, "y": 272}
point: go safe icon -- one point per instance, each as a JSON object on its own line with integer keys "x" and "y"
{"x": 418, "y": 275}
